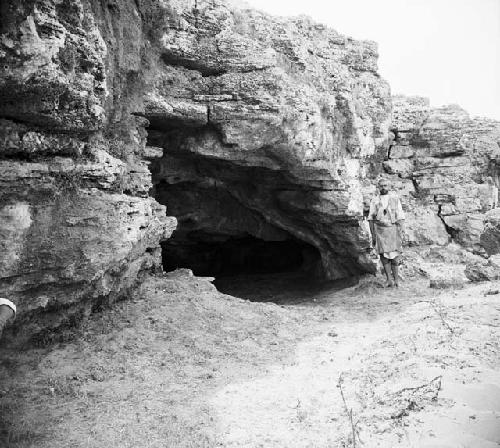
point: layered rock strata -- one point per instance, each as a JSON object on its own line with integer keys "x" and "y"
{"x": 445, "y": 165}
{"x": 253, "y": 128}
{"x": 263, "y": 126}
{"x": 77, "y": 225}
{"x": 267, "y": 126}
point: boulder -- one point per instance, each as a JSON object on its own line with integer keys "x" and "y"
{"x": 424, "y": 227}
{"x": 401, "y": 152}
{"x": 444, "y": 275}
{"x": 490, "y": 237}
{"x": 478, "y": 271}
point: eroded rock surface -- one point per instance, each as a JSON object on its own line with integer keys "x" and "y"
{"x": 445, "y": 165}
{"x": 76, "y": 219}
{"x": 253, "y": 127}
{"x": 268, "y": 131}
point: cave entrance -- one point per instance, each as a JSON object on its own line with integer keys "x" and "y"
{"x": 226, "y": 214}
{"x": 285, "y": 272}
{"x": 234, "y": 256}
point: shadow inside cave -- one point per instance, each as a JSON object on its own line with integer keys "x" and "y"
{"x": 282, "y": 288}
{"x": 240, "y": 221}
{"x": 283, "y": 272}
{"x": 231, "y": 256}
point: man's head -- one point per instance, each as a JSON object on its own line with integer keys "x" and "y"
{"x": 383, "y": 186}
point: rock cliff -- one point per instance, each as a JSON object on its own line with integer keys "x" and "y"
{"x": 267, "y": 127}
{"x": 445, "y": 165}
{"x": 254, "y": 132}
{"x": 77, "y": 224}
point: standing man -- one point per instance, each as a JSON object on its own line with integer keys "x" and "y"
{"x": 386, "y": 220}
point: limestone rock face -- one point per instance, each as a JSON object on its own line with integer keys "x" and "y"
{"x": 444, "y": 163}
{"x": 267, "y": 126}
{"x": 77, "y": 224}
{"x": 490, "y": 237}
{"x": 482, "y": 270}
{"x": 263, "y": 125}
{"x": 243, "y": 125}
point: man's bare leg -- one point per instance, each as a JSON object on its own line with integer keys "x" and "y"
{"x": 395, "y": 270}
{"x": 386, "y": 263}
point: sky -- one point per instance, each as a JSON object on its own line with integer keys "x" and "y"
{"x": 446, "y": 50}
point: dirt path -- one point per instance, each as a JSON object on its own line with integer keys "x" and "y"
{"x": 181, "y": 365}
{"x": 426, "y": 376}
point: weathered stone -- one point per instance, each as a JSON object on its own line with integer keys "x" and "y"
{"x": 483, "y": 271}
{"x": 252, "y": 126}
{"x": 401, "y": 167}
{"x": 409, "y": 113}
{"x": 444, "y": 199}
{"x": 401, "y": 152}
{"x": 294, "y": 112}
{"x": 452, "y": 253}
{"x": 490, "y": 237}
{"x": 445, "y": 281}
{"x": 444, "y": 275}
{"x": 424, "y": 227}
{"x": 452, "y": 168}
{"x": 77, "y": 225}
{"x": 152, "y": 152}
{"x": 494, "y": 261}
{"x": 466, "y": 228}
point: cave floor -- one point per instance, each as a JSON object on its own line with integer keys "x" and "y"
{"x": 182, "y": 365}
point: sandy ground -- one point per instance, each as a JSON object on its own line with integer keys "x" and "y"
{"x": 182, "y": 365}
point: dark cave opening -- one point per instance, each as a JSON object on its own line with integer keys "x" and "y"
{"x": 223, "y": 210}
{"x": 234, "y": 256}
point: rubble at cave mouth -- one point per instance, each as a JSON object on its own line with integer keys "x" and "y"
{"x": 240, "y": 255}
